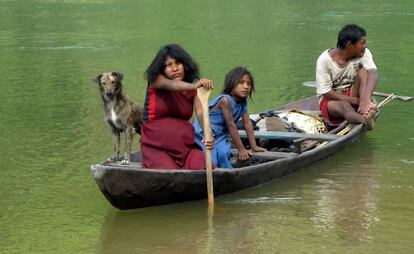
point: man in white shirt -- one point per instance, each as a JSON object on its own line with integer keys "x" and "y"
{"x": 346, "y": 76}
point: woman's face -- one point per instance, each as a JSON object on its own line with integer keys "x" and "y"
{"x": 173, "y": 70}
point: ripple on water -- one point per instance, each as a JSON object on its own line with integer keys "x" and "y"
{"x": 263, "y": 200}
{"x": 407, "y": 161}
{"x": 70, "y": 47}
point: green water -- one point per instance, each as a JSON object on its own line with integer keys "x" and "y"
{"x": 52, "y": 127}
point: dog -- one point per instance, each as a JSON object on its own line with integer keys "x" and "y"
{"x": 121, "y": 113}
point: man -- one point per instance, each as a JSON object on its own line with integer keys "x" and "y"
{"x": 346, "y": 76}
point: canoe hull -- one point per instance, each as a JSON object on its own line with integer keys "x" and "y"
{"x": 129, "y": 187}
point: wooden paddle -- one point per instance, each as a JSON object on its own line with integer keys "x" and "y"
{"x": 202, "y": 95}
{"x": 399, "y": 97}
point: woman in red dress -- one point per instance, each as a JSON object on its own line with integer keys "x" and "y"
{"x": 167, "y": 135}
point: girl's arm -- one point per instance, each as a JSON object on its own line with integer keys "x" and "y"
{"x": 224, "y": 105}
{"x": 250, "y": 134}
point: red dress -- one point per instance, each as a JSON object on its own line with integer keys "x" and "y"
{"x": 167, "y": 136}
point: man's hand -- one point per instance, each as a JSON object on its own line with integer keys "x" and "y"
{"x": 365, "y": 108}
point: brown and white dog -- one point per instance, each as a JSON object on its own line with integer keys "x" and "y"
{"x": 120, "y": 112}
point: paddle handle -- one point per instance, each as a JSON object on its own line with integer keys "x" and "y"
{"x": 207, "y": 136}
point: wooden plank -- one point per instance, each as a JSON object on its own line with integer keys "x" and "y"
{"x": 131, "y": 165}
{"x": 268, "y": 155}
{"x": 311, "y": 112}
{"x": 283, "y": 135}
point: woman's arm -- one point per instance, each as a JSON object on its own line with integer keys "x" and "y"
{"x": 172, "y": 85}
{"x": 247, "y": 123}
{"x": 180, "y": 86}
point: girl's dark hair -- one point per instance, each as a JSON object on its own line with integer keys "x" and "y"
{"x": 351, "y": 33}
{"x": 234, "y": 77}
{"x": 176, "y": 52}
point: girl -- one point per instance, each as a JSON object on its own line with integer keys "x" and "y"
{"x": 225, "y": 110}
{"x": 167, "y": 136}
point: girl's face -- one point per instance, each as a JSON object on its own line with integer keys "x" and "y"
{"x": 173, "y": 70}
{"x": 243, "y": 88}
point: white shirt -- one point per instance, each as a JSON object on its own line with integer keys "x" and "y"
{"x": 331, "y": 76}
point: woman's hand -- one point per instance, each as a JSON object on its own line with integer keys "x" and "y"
{"x": 259, "y": 149}
{"x": 206, "y": 83}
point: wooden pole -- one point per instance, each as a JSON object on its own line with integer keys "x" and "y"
{"x": 203, "y": 94}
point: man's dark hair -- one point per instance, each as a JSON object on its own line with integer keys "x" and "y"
{"x": 176, "y": 52}
{"x": 351, "y": 33}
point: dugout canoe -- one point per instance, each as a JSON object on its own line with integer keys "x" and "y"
{"x": 131, "y": 186}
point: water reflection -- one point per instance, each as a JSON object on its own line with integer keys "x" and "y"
{"x": 147, "y": 230}
{"x": 181, "y": 228}
{"x": 348, "y": 197}
{"x": 335, "y": 201}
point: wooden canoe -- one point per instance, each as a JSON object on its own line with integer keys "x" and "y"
{"x": 131, "y": 186}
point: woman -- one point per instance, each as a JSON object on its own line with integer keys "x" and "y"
{"x": 167, "y": 136}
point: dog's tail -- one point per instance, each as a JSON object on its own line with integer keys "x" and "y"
{"x": 139, "y": 118}
{"x": 137, "y": 128}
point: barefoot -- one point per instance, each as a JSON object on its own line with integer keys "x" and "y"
{"x": 369, "y": 118}
{"x": 370, "y": 124}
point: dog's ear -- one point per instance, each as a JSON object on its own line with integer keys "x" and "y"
{"x": 97, "y": 79}
{"x": 119, "y": 76}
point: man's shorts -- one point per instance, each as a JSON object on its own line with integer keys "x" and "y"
{"x": 323, "y": 106}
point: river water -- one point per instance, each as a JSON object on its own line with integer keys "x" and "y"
{"x": 52, "y": 127}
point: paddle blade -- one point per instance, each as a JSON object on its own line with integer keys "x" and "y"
{"x": 309, "y": 83}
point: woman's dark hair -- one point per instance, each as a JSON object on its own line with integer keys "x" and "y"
{"x": 351, "y": 33}
{"x": 234, "y": 77}
{"x": 176, "y": 52}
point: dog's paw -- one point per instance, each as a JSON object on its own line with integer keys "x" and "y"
{"x": 124, "y": 162}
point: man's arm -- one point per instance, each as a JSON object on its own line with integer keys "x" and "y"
{"x": 333, "y": 95}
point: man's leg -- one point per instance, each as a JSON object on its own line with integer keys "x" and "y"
{"x": 344, "y": 109}
{"x": 359, "y": 88}
{"x": 360, "y": 83}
